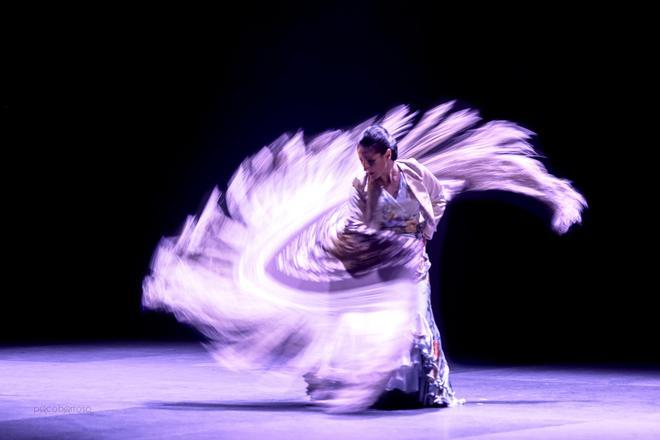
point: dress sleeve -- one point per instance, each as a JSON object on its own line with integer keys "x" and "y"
{"x": 357, "y": 205}
{"x": 438, "y": 199}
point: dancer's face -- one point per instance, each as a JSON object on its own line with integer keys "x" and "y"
{"x": 376, "y": 165}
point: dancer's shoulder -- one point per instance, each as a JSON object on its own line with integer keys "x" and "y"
{"x": 412, "y": 166}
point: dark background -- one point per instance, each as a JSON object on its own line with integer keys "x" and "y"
{"x": 121, "y": 122}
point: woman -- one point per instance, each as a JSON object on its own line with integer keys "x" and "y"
{"x": 286, "y": 270}
{"x": 404, "y": 197}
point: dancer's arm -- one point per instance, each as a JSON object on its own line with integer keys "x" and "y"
{"x": 438, "y": 201}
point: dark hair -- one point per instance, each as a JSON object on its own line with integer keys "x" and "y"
{"x": 376, "y": 137}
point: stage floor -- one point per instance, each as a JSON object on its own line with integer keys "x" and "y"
{"x": 175, "y": 391}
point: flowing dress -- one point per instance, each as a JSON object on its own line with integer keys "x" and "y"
{"x": 278, "y": 275}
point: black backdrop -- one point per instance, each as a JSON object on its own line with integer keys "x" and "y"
{"x": 121, "y": 122}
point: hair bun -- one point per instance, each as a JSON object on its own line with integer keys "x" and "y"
{"x": 378, "y": 138}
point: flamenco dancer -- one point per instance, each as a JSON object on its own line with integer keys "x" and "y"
{"x": 294, "y": 268}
